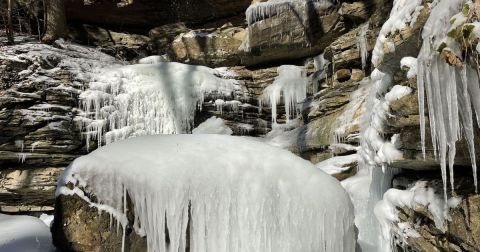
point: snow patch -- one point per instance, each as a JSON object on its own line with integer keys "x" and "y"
{"x": 24, "y": 233}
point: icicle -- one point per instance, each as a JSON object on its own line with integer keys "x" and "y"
{"x": 362, "y": 44}
{"x": 125, "y": 214}
{"x": 219, "y": 105}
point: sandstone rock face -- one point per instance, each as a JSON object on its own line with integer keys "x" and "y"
{"x": 38, "y": 136}
{"x": 211, "y": 47}
{"x": 141, "y": 14}
{"x": 163, "y": 36}
{"x": 288, "y": 35}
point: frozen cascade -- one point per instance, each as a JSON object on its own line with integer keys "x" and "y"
{"x": 450, "y": 92}
{"x": 291, "y": 84}
{"x": 373, "y": 179}
{"x": 350, "y": 115}
{"x": 147, "y": 99}
{"x": 253, "y": 197}
{"x": 321, "y": 67}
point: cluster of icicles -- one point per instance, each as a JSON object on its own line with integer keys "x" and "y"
{"x": 451, "y": 94}
{"x": 148, "y": 99}
{"x": 291, "y": 85}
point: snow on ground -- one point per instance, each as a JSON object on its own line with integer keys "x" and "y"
{"x": 213, "y": 125}
{"x": 247, "y": 195}
{"x": 24, "y": 234}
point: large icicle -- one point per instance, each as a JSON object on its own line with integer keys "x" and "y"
{"x": 291, "y": 84}
{"x": 362, "y": 44}
{"x": 247, "y": 197}
{"x": 450, "y": 91}
{"x": 148, "y": 99}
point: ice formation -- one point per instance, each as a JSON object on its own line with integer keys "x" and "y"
{"x": 373, "y": 179}
{"x": 451, "y": 92}
{"x": 219, "y": 105}
{"x": 403, "y": 13}
{"x": 321, "y": 67}
{"x": 148, "y": 99}
{"x": 245, "y": 128}
{"x": 375, "y": 150}
{"x": 409, "y": 63}
{"x": 291, "y": 84}
{"x": 352, "y": 113}
{"x": 47, "y": 219}
{"x": 418, "y": 194}
{"x": 337, "y": 164}
{"x": 270, "y": 8}
{"x": 362, "y": 44}
{"x": 154, "y": 59}
{"x": 213, "y": 125}
{"x": 249, "y": 198}
{"x": 24, "y": 233}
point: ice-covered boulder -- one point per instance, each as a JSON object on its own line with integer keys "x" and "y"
{"x": 207, "y": 192}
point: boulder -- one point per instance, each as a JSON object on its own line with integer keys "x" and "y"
{"x": 290, "y": 35}
{"x": 209, "y": 47}
{"x": 163, "y": 36}
{"x": 77, "y": 226}
{"x": 120, "y": 45}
